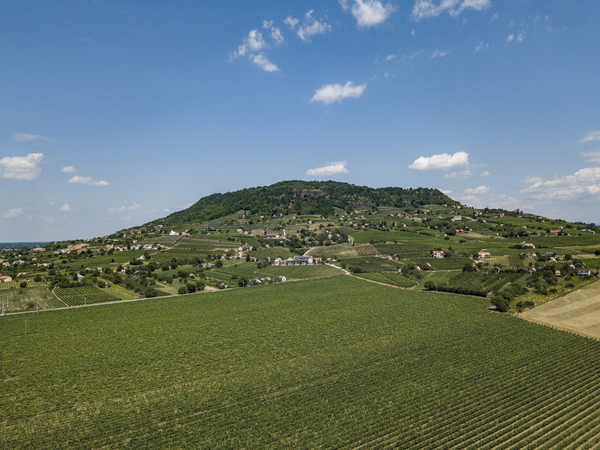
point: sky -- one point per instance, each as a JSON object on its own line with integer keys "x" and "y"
{"x": 115, "y": 113}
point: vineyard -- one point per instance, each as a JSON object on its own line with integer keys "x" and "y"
{"x": 84, "y": 295}
{"x": 330, "y": 363}
{"x": 392, "y": 278}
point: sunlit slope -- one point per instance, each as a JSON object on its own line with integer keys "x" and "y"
{"x": 335, "y": 362}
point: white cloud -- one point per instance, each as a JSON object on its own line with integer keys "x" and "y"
{"x": 261, "y": 61}
{"x": 592, "y": 157}
{"x": 87, "y": 180}
{"x": 591, "y": 136}
{"x": 68, "y": 169}
{"x": 309, "y": 27}
{"x": 332, "y": 169}
{"x": 291, "y": 21}
{"x": 520, "y": 37}
{"x": 427, "y": 8}
{"x": 21, "y": 167}
{"x": 462, "y": 174}
{"x": 329, "y": 93}
{"x": 134, "y": 207}
{"x": 254, "y": 42}
{"x": 439, "y": 54}
{"x": 66, "y": 207}
{"x": 390, "y": 58}
{"x": 368, "y": 12}
{"x": 478, "y": 190}
{"x": 444, "y": 161}
{"x": 13, "y": 213}
{"x": 485, "y": 173}
{"x": 24, "y": 137}
{"x": 275, "y": 32}
{"x": 584, "y": 183}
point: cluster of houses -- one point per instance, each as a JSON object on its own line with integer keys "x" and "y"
{"x": 297, "y": 261}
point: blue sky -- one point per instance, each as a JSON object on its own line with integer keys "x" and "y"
{"x": 116, "y": 113}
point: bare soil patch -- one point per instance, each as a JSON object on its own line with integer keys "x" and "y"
{"x": 578, "y": 311}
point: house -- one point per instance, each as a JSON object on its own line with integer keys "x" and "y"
{"x": 437, "y": 253}
{"x": 278, "y": 261}
{"x": 270, "y": 236}
{"x": 281, "y": 278}
{"x": 484, "y": 254}
{"x": 303, "y": 260}
{"x": 5, "y": 279}
{"x": 584, "y": 272}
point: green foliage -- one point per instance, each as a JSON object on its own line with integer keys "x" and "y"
{"x": 303, "y": 197}
{"x": 337, "y": 363}
{"x": 74, "y": 296}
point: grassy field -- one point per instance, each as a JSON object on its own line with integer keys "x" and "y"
{"x": 578, "y": 311}
{"x": 336, "y": 363}
{"x": 30, "y": 298}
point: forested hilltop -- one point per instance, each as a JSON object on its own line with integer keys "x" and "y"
{"x": 305, "y": 197}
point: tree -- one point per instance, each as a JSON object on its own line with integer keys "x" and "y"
{"x": 500, "y": 303}
{"x": 23, "y": 284}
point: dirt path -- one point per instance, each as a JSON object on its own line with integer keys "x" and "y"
{"x": 578, "y": 311}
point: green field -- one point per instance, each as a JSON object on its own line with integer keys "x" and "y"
{"x": 250, "y": 270}
{"x": 75, "y": 296}
{"x": 330, "y": 363}
{"x": 30, "y": 298}
{"x": 392, "y": 278}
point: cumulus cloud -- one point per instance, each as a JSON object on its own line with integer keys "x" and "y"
{"x": 428, "y": 8}
{"x": 254, "y": 42}
{"x": 444, "y": 161}
{"x": 275, "y": 32}
{"x": 134, "y": 207}
{"x": 87, "y": 180}
{"x": 261, "y": 61}
{"x": 519, "y": 37}
{"x": 13, "y": 213}
{"x": 478, "y": 190}
{"x": 331, "y": 169}
{"x": 68, "y": 169}
{"x": 21, "y": 167}
{"x": 368, "y": 12}
{"x": 583, "y": 183}
{"x": 309, "y": 26}
{"x": 66, "y": 207}
{"x": 24, "y": 137}
{"x": 591, "y": 136}
{"x": 329, "y": 93}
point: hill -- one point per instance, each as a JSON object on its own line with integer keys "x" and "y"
{"x": 304, "y": 197}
